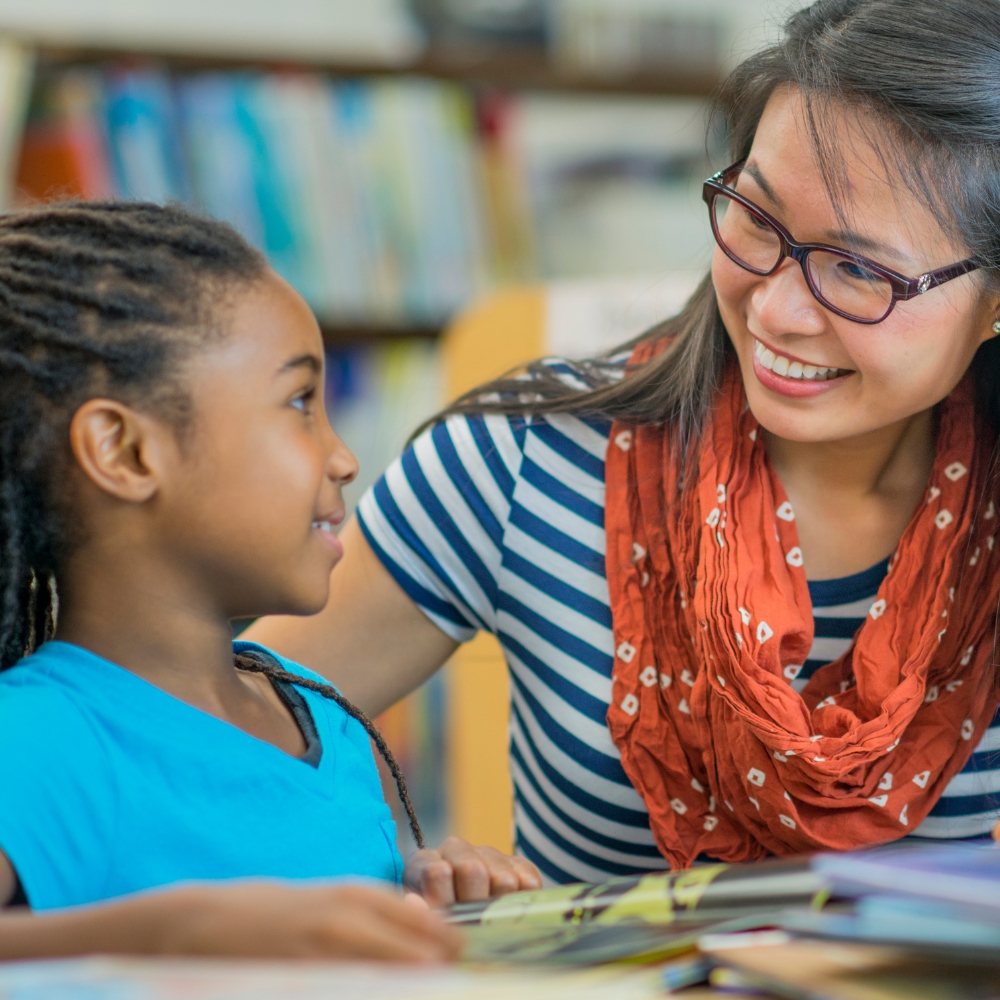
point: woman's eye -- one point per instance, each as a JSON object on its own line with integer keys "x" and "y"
{"x": 857, "y": 271}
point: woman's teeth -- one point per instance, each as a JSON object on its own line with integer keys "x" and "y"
{"x": 322, "y": 525}
{"x": 781, "y": 365}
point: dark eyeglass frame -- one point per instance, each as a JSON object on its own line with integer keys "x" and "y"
{"x": 903, "y": 288}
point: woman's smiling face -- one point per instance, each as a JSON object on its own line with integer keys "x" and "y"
{"x": 890, "y": 370}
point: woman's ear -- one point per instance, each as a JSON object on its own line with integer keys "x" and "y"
{"x": 119, "y": 449}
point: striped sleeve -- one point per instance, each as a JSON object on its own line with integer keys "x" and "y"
{"x": 436, "y": 518}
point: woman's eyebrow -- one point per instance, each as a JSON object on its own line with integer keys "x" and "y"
{"x": 845, "y": 237}
{"x": 754, "y": 171}
{"x": 310, "y": 361}
{"x": 855, "y": 241}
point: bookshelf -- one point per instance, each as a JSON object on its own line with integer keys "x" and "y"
{"x": 525, "y": 68}
{"x": 338, "y": 335}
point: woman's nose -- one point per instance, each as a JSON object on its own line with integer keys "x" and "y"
{"x": 784, "y": 303}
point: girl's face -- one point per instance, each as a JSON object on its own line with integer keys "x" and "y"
{"x": 891, "y": 370}
{"x": 251, "y": 503}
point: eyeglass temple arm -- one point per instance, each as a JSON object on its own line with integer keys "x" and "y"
{"x": 925, "y": 282}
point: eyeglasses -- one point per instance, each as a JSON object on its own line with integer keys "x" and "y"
{"x": 847, "y": 284}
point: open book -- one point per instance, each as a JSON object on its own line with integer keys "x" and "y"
{"x": 643, "y": 918}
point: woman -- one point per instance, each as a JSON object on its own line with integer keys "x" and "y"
{"x": 676, "y": 561}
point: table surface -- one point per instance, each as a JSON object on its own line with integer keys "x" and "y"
{"x": 109, "y": 978}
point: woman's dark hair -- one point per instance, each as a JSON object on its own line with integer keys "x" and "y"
{"x": 922, "y": 80}
{"x": 105, "y": 298}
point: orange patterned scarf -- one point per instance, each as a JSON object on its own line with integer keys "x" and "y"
{"x": 712, "y": 620}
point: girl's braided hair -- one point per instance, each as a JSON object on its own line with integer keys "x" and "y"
{"x": 273, "y": 672}
{"x": 106, "y": 298}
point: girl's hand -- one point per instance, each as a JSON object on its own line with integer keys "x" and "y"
{"x": 341, "y": 921}
{"x": 240, "y": 920}
{"x": 457, "y": 872}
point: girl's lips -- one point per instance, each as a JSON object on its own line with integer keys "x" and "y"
{"x": 324, "y": 529}
{"x": 794, "y": 387}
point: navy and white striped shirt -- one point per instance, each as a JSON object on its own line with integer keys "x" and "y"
{"x": 498, "y": 524}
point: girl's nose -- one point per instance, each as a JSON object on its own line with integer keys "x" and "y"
{"x": 342, "y": 466}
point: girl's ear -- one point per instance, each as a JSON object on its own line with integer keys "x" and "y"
{"x": 119, "y": 449}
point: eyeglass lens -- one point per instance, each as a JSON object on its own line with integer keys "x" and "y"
{"x": 840, "y": 282}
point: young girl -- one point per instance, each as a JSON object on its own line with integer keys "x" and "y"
{"x": 747, "y": 591}
{"x": 166, "y": 465}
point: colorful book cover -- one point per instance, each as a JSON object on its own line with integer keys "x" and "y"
{"x": 352, "y": 112}
{"x": 64, "y": 149}
{"x": 259, "y": 117}
{"x": 324, "y": 203}
{"x": 218, "y": 153}
{"x": 144, "y": 138}
{"x": 647, "y": 918}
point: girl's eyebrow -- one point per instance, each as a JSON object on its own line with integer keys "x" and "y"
{"x": 310, "y": 361}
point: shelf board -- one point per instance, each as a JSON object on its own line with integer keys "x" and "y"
{"x": 509, "y": 69}
{"x": 348, "y": 334}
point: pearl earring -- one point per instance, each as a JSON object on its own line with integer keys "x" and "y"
{"x": 996, "y": 326}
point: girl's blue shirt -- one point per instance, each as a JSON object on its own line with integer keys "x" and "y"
{"x": 109, "y": 785}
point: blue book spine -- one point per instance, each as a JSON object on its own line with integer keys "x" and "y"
{"x": 219, "y": 156}
{"x": 145, "y": 143}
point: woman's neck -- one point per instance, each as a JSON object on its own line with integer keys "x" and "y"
{"x": 854, "y": 498}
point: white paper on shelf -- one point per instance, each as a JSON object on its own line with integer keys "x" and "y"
{"x": 372, "y": 30}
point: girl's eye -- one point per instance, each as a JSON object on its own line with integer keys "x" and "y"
{"x": 303, "y": 402}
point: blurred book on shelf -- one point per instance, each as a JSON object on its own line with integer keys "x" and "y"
{"x": 415, "y": 730}
{"x": 363, "y": 194}
{"x": 376, "y": 396}
{"x": 632, "y": 36}
{"x": 389, "y": 202}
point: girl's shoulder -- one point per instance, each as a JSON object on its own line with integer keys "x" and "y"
{"x": 41, "y": 686}
{"x": 244, "y": 647}
{"x": 46, "y": 725}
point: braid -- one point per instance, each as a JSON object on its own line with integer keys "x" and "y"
{"x": 104, "y": 296}
{"x": 274, "y": 673}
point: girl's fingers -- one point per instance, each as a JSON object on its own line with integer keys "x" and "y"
{"x": 528, "y": 875}
{"x": 428, "y": 873}
{"x": 378, "y": 925}
{"x": 472, "y": 873}
{"x": 368, "y": 936}
{"x": 459, "y": 872}
{"x": 503, "y": 874}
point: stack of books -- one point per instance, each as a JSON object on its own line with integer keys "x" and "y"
{"x": 908, "y": 920}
